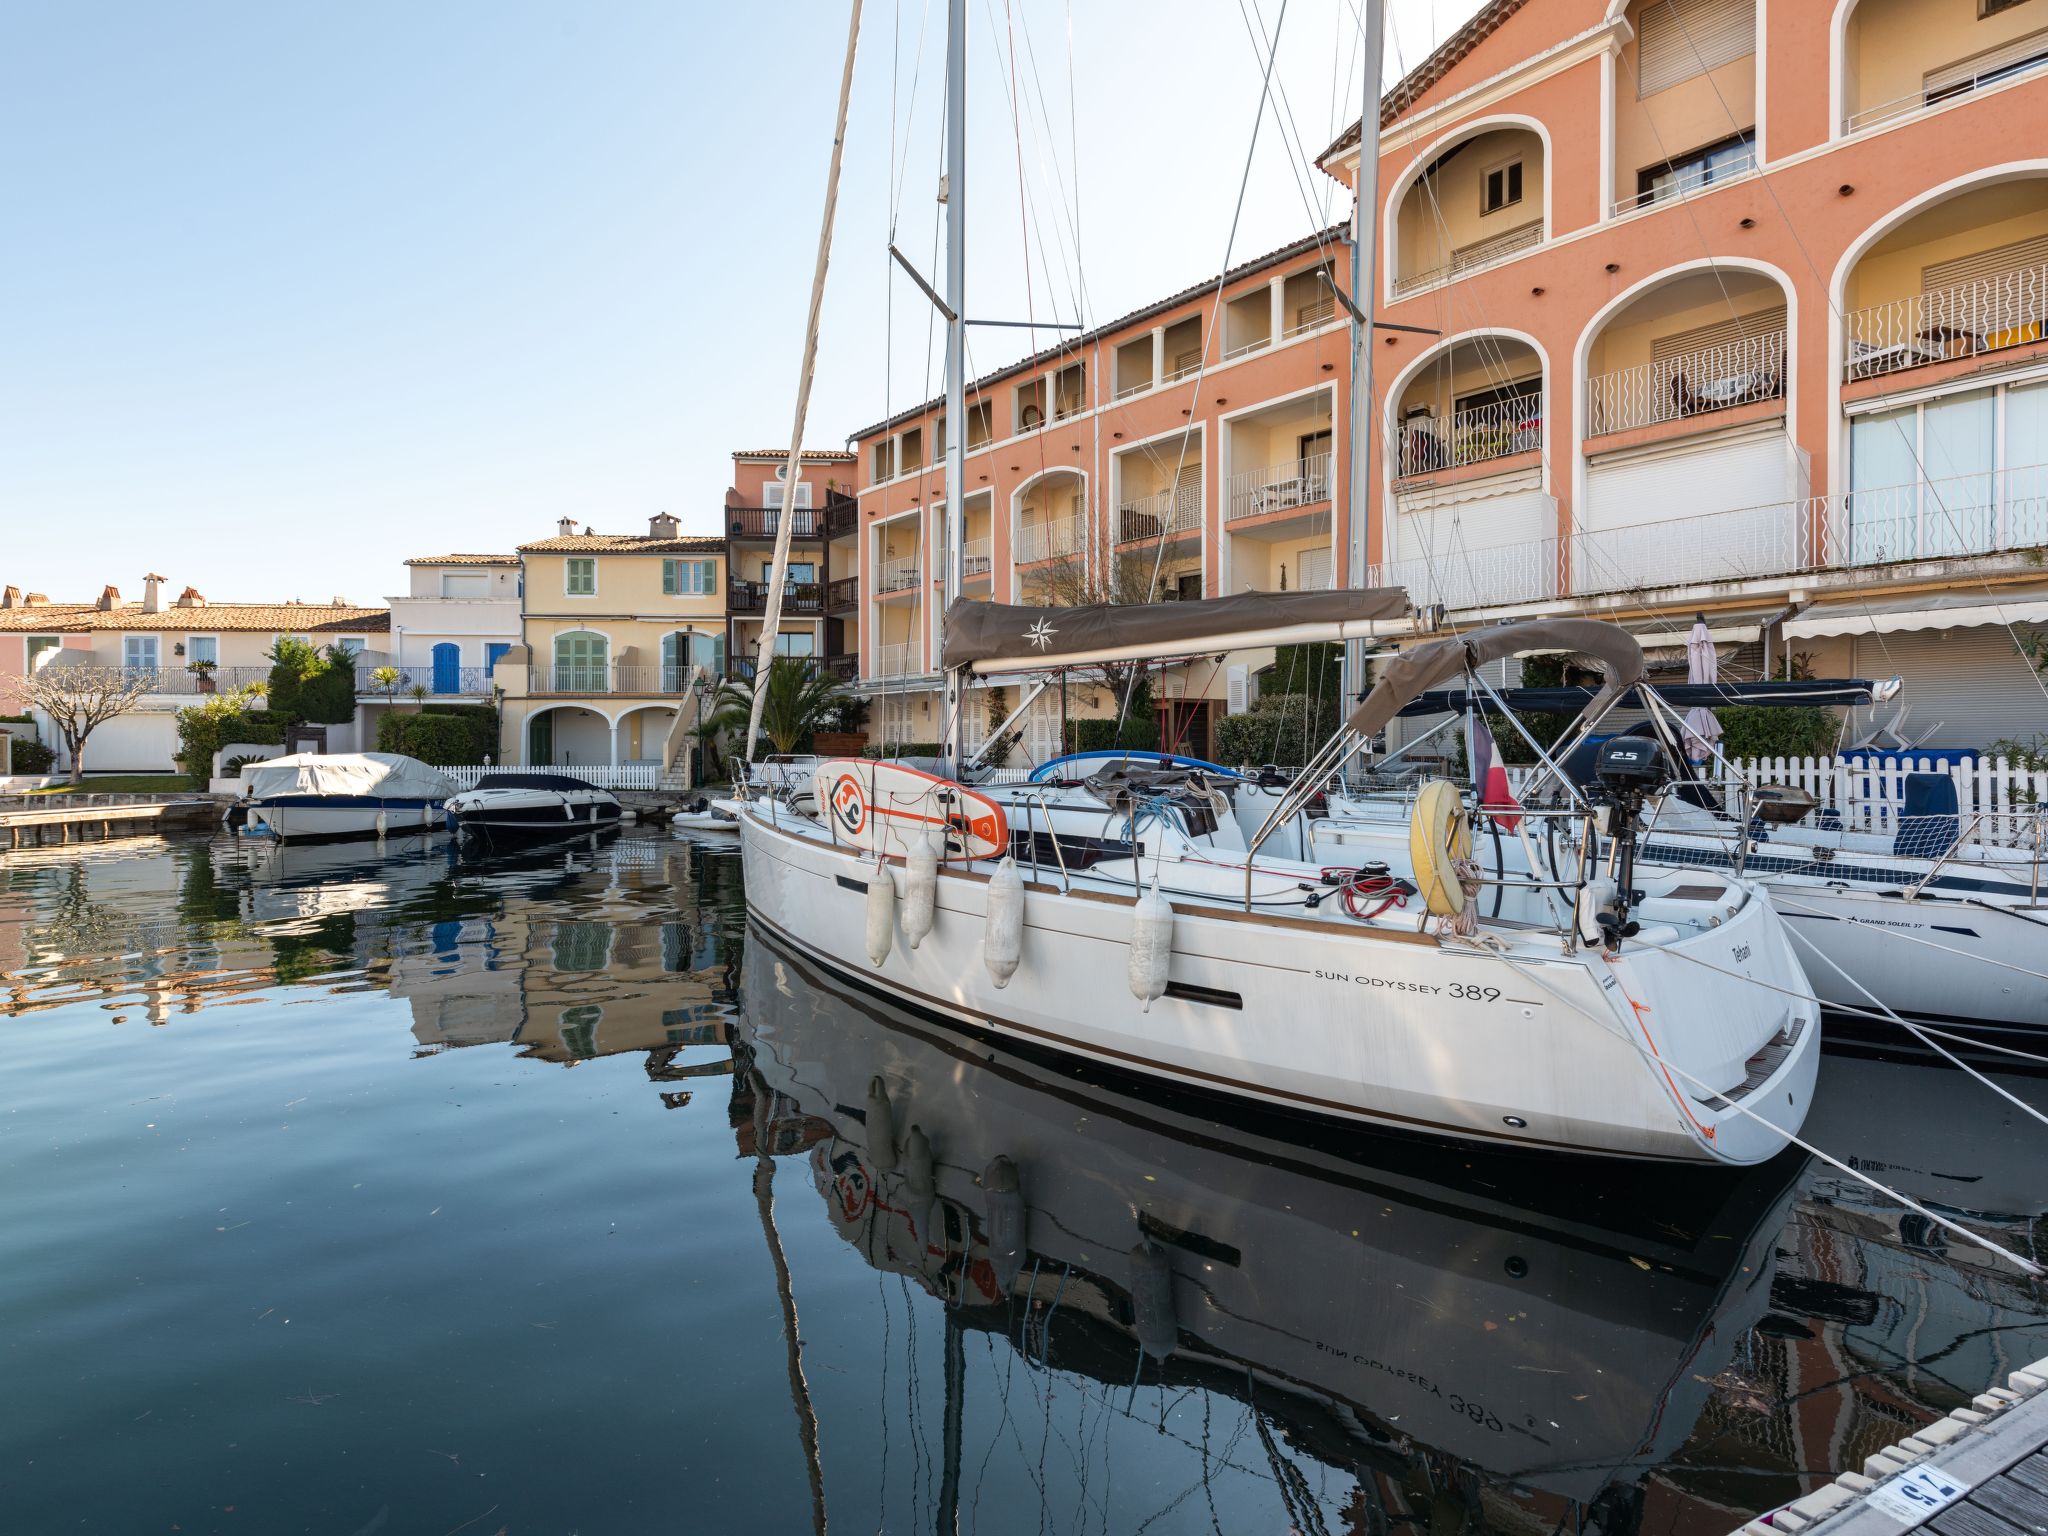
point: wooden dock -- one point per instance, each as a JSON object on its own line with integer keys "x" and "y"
{"x": 1982, "y": 1471}
{"x": 35, "y": 821}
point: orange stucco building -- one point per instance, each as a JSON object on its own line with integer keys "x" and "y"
{"x": 1734, "y": 307}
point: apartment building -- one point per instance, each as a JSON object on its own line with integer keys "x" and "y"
{"x": 1190, "y": 448}
{"x": 1742, "y": 311}
{"x": 820, "y": 594}
{"x": 610, "y": 628}
{"x": 184, "y": 647}
{"x": 454, "y": 623}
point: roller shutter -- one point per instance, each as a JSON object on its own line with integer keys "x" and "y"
{"x": 1679, "y": 39}
{"x": 1690, "y": 479}
{"x": 1970, "y": 683}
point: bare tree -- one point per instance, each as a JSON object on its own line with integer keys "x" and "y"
{"x": 79, "y": 700}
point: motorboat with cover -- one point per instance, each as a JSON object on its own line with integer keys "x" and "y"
{"x": 508, "y": 806}
{"x": 1899, "y": 895}
{"x": 342, "y": 794}
{"x": 1605, "y": 1011}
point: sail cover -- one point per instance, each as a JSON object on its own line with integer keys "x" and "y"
{"x": 1012, "y": 637}
{"x": 380, "y": 775}
{"x": 1411, "y": 674}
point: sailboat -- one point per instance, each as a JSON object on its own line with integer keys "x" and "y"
{"x": 1596, "y": 1014}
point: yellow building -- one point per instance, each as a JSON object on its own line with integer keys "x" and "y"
{"x": 612, "y": 629}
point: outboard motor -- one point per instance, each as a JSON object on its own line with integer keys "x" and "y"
{"x": 1628, "y": 770}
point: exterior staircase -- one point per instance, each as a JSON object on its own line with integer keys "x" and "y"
{"x": 679, "y": 752}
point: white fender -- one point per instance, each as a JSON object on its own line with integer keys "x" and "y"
{"x": 1002, "y": 942}
{"x": 920, "y": 888}
{"x": 881, "y": 913}
{"x": 1151, "y": 945}
{"x": 383, "y": 824}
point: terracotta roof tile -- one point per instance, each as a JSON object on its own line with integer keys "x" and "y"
{"x": 463, "y": 560}
{"x": 810, "y": 455}
{"x": 292, "y": 618}
{"x": 624, "y": 544}
{"x": 1449, "y": 54}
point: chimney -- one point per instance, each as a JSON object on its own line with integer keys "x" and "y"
{"x": 110, "y": 598}
{"x": 190, "y": 598}
{"x": 10, "y": 597}
{"x": 565, "y": 527}
{"x": 152, "y": 594}
{"x": 662, "y": 526}
{"x": 36, "y": 600}
{"x": 340, "y": 601}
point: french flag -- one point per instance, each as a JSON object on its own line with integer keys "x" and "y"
{"x": 1490, "y": 779}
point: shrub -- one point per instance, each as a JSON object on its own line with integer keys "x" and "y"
{"x": 205, "y": 728}
{"x": 32, "y": 756}
{"x": 1756, "y": 730}
{"x": 1271, "y": 731}
{"x": 902, "y": 749}
{"x": 1100, "y": 734}
{"x": 448, "y": 736}
{"x": 328, "y": 697}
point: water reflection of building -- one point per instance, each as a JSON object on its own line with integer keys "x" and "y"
{"x": 1477, "y": 1341}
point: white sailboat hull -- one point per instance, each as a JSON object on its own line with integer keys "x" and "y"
{"x": 1551, "y": 1050}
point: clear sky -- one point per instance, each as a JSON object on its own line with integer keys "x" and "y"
{"x": 295, "y": 291}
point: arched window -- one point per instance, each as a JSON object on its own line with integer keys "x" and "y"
{"x": 580, "y": 662}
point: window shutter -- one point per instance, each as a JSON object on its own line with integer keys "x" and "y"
{"x": 2020, "y": 256}
{"x": 1237, "y": 701}
{"x": 1767, "y": 322}
{"x": 1683, "y": 39}
{"x": 1978, "y": 67}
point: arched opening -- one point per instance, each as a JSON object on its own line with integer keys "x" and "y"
{"x": 1898, "y": 56}
{"x": 567, "y": 735}
{"x": 1049, "y": 519}
{"x": 1476, "y": 199}
{"x": 642, "y": 734}
{"x": 582, "y": 663}
{"x": 1470, "y": 402}
{"x": 1688, "y": 345}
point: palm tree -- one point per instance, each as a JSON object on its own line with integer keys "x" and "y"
{"x": 799, "y": 699}
{"x": 419, "y": 693}
{"x": 386, "y": 680}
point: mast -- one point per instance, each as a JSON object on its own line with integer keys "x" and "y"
{"x": 1364, "y": 298}
{"x": 953, "y": 192}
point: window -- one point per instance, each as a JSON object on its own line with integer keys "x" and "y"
{"x": 1941, "y": 478}
{"x": 1701, "y": 168}
{"x": 579, "y": 578}
{"x": 582, "y": 946}
{"x": 805, "y": 571}
{"x": 202, "y": 648}
{"x": 1988, "y": 8}
{"x": 580, "y": 662}
{"x": 797, "y": 643}
{"x": 884, "y": 459}
{"x": 40, "y": 649}
{"x": 465, "y": 584}
{"x": 1680, "y": 40}
{"x": 774, "y": 494}
{"x": 350, "y": 645}
{"x": 690, "y": 578}
{"x": 1503, "y": 187}
{"x": 139, "y": 652}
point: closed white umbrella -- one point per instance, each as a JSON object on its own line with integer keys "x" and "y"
{"x": 1702, "y": 665}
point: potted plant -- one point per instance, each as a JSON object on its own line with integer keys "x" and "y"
{"x": 202, "y": 673}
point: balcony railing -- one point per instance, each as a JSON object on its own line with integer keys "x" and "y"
{"x": 1695, "y": 179}
{"x": 845, "y": 668}
{"x": 1470, "y": 258}
{"x": 1691, "y": 384}
{"x": 977, "y": 558}
{"x": 1968, "y": 320}
{"x": 842, "y": 594}
{"x": 175, "y": 679}
{"x": 893, "y": 660}
{"x": 1165, "y": 514}
{"x": 898, "y": 575}
{"x": 766, "y": 522}
{"x": 1051, "y": 539}
{"x": 1737, "y": 545}
{"x": 798, "y": 597}
{"x": 441, "y": 681}
{"x": 622, "y": 678}
{"x": 1980, "y": 514}
{"x": 1427, "y": 444}
{"x": 1303, "y": 482}
{"x": 2023, "y": 56}
{"x": 1476, "y": 578}
{"x": 1317, "y": 313}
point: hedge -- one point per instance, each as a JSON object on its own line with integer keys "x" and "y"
{"x": 205, "y": 728}
{"x": 446, "y": 735}
{"x": 1271, "y": 730}
{"x": 32, "y": 756}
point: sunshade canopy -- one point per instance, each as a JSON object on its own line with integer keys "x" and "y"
{"x": 1844, "y": 692}
{"x": 1013, "y": 637}
{"x": 1411, "y": 674}
{"x": 1893, "y": 615}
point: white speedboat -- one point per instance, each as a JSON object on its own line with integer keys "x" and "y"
{"x": 513, "y": 806}
{"x": 1677, "y": 1026}
{"x": 344, "y": 794}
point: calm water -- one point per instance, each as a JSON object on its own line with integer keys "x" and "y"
{"x": 342, "y": 1195}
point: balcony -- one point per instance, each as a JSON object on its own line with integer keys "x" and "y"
{"x": 977, "y": 559}
{"x": 1299, "y": 482}
{"x": 1501, "y": 428}
{"x": 1738, "y": 545}
{"x": 799, "y": 598}
{"x": 900, "y": 574}
{"x": 1471, "y": 258}
{"x": 1983, "y": 514}
{"x": 1691, "y": 178}
{"x": 766, "y": 522}
{"x": 1171, "y": 513}
{"x": 893, "y": 660}
{"x": 444, "y": 682}
{"x": 1889, "y": 58}
{"x": 845, "y": 668}
{"x": 842, "y": 594}
{"x": 1712, "y": 378}
{"x": 1054, "y": 539}
{"x": 1973, "y": 319}
{"x": 180, "y": 682}
{"x": 1476, "y": 578}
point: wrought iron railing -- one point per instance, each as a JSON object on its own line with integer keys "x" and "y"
{"x": 1425, "y": 444}
{"x": 1965, "y": 320}
{"x": 1300, "y": 482}
{"x": 1051, "y": 539}
{"x": 1714, "y": 378}
{"x": 443, "y": 681}
{"x": 1470, "y": 258}
{"x": 798, "y": 597}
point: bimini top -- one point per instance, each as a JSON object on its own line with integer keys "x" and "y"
{"x": 1011, "y": 637}
{"x": 1413, "y": 673}
{"x": 375, "y": 775}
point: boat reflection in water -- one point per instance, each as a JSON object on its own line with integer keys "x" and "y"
{"x": 1472, "y": 1337}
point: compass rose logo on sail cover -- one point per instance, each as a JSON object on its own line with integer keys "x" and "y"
{"x": 1040, "y": 634}
{"x": 849, "y": 806}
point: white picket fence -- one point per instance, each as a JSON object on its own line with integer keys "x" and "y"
{"x": 596, "y": 775}
{"x": 1999, "y": 805}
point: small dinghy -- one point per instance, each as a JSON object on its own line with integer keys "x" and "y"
{"x": 509, "y": 806}
{"x": 705, "y": 815}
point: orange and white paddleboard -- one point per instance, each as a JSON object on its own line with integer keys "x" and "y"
{"x": 885, "y": 807}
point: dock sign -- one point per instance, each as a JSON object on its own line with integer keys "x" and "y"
{"x": 1917, "y": 1493}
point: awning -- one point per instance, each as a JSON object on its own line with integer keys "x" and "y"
{"x": 1891, "y": 615}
